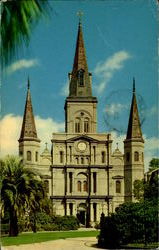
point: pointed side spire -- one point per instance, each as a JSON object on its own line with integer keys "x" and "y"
{"x": 28, "y": 130}
{"x": 134, "y": 126}
{"x": 80, "y": 84}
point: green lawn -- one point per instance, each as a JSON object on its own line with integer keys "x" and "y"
{"x": 29, "y": 238}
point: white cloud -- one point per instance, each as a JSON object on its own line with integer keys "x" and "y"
{"x": 10, "y": 128}
{"x": 23, "y": 63}
{"x": 114, "y": 108}
{"x": 106, "y": 70}
{"x": 152, "y": 111}
{"x": 65, "y": 89}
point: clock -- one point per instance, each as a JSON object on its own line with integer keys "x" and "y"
{"x": 82, "y": 146}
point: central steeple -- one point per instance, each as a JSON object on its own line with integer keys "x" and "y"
{"x": 80, "y": 78}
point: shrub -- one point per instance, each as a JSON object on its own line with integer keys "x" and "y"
{"x": 4, "y": 228}
{"x": 65, "y": 222}
{"x": 131, "y": 223}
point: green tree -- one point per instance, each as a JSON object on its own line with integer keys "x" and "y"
{"x": 154, "y": 164}
{"x": 22, "y": 190}
{"x": 18, "y": 19}
{"x": 139, "y": 189}
{"x": 131, "y": 223}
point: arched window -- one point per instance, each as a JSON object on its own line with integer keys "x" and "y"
{"x": 79, "y": 186}
{"x": 36, "y": 156}
{"x": 85, "y": 187}
{"x": 46, "y": 184}
{"x": 77, "y": 160}
{"x": 61, "y": 156}
{"x": 81, "y": 77}
{"x": 127, "y": 156}
{"x": 86, "y": 125}
{"x": 77, "y": 125}
{"x": 28, "y": 155}
{"x": 136, "y": 156}
{"x": 103, "y": 157}
{"x": 118, "y": 187}
{"x": 82, "y": 160}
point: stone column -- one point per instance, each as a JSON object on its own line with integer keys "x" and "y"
{"x": 67, "y": 209}
{"x": 91, "y": 212}
{"x": 98, "y": 212}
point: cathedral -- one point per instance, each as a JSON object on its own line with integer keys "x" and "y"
{"x": 82, "y": 175}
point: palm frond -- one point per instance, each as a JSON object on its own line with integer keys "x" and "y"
{"x": 18, "y": 19}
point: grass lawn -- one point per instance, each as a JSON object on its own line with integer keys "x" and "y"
{"x": 29, "y": 238}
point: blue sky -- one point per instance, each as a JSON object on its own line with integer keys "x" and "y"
{"x": 121, "y": 43}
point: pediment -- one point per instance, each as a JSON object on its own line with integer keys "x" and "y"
{"x": 82, "y": 137}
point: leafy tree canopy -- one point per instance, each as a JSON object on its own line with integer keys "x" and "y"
{"x": 154, "y": 164}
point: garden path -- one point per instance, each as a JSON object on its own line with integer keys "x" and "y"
{"x": 86, "y": 243}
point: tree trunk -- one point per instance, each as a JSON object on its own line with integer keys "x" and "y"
{"x": 13, "y": 227}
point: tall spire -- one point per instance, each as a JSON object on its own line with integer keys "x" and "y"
{"x": 80, "y": 84}
{"x": 28, "y": 130}
{"x": 134, "y": 126}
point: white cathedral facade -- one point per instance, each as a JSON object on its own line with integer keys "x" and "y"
{"x": 83, "y": 176}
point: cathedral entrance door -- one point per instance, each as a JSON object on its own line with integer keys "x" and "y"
{"x": 81, "y": 215}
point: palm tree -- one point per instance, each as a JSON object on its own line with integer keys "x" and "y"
{"x": 18, "y": 19}
{"x": 21, "y": 190}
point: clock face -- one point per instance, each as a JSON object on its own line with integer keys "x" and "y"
{"x": 82, "y": 146}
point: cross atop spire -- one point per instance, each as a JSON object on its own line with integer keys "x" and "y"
{"x": 133, "y": 84}
{"x": 80, "y": 14}
{"x": 28, "y": 83}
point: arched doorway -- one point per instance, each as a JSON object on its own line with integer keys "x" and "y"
{"x": 82, "y": 213}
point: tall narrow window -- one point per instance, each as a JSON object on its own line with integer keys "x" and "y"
{"x": 70, "y": 180}
{"x": 142, "y": 157}
{"x": 36, "y": 156}
{"x": 94, "y": 182}
{"x": 94, "y": 153}
{"x": 77, "y": 125}
{"x": 82, "y": 160}
{"x": 79, "y": 186}
{"x": 127, "y": 156}
{"x": 71, "y": 208}
{"x": 86, "y": 125}
{"x": 95, "y": 211}
{"x": 136, "y": 156}
{"x": 81, "y": 77}
{"x": 118, "y": 187}
{"x": 61, "y": 156}
{"x": 28, "y": 155}
{"x": 70, "y": 153}
{"x": 103, "y": 156}
{"x": 77, "y": 160}
{"x": 85, "y": 186}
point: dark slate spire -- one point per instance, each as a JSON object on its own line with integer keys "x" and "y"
{"x": 28, "y": 130}
{"x": 80, "y": 84}
{"x": 134, "y": 127}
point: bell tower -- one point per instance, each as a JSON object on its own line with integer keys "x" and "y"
{"x": 133, "y": 150}
{"x": 29, "y": 144}
{"x": 80, "y": 105}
